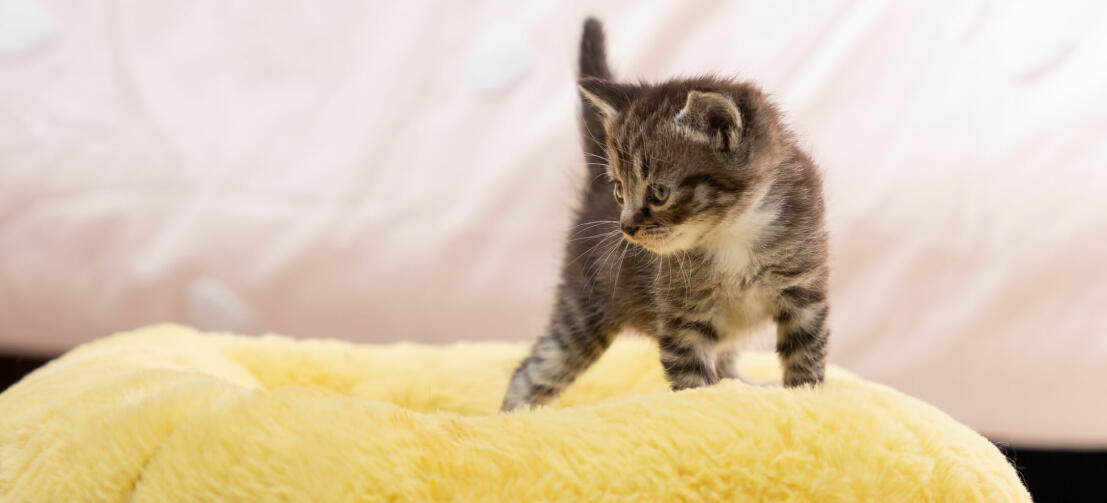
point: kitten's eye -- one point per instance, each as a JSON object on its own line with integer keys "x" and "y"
{"x": 658, "y": 194}
{"x": 619, "y": 192}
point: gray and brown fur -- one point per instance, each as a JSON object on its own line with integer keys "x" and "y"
{"x": 737, "y": 240}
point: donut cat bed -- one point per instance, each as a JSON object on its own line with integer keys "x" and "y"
{"x": 167, "y": 414}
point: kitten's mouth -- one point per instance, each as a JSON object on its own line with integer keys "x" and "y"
{"x": 653, "y": 239}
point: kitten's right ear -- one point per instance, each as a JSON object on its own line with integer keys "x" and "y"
{"x": 713, "y": 118}
{"x": 609, "y": 97}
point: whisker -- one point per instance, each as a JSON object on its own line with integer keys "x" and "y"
{"x": 687, "y": 279}
{"x": 600, "y": 265}
{"x": 670, "y": 275}
{"x": 577, "y": 229}
{"x": 597, "y": 222}
{"x": 619, "y": 269}
{"x": 595, "y": 228}
{"x": 597, "y": 177}
{"x": 660, "y": 264}
{"x": 609, "y": 234}
{"x": 588, "y": 251}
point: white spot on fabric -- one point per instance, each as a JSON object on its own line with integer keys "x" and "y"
{"x": 214, "y": 306}
{"x": 499, "y": 58}
{"x": 24, "y": 24}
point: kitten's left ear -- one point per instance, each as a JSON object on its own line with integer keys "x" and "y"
{"x": 712, "y": 118}
{"x": 609, "y": 97}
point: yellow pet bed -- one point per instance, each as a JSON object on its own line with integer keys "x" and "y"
{"x": 167, "y": 414}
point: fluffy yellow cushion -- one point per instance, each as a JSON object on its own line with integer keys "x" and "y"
{"x": 167, "y": 414}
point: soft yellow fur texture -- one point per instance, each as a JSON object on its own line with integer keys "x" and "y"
{"x": 165, "y": 414}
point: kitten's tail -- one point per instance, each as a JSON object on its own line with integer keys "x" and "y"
{"x": 593, "y": 63}
{"x": 593, "y": 56}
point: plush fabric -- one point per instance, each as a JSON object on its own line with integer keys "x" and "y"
{"x": 168, "y": 414}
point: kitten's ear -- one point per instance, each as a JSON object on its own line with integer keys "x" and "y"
{"x": 609, "y": 97}
{"x": 712, "y": 118}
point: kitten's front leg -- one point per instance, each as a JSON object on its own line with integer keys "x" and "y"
{"x": 687, "y": 353}
{"x": 802, "y": 334}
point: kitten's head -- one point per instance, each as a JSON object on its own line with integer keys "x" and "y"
{"x": 684, "y": 157}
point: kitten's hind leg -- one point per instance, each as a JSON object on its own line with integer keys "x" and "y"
{"x": 573, "y": 343}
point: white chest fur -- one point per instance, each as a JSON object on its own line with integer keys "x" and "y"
{"x": 732, "y": 248}
{"x": 732, "y": 244}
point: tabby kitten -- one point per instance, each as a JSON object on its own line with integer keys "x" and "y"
{"x": 714, "y": 221}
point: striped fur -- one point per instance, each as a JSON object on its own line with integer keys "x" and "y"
{"x": 700, "y": 220}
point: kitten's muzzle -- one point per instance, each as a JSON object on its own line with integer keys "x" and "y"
{"x": 646, "y": 231}
{"x": 646, "y": 235}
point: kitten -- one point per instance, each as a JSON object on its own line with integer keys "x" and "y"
{"x": 709, "y": 223}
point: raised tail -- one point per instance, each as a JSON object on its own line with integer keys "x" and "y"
{"x": 593, "y": 63}
{"x": 593, "y": 55}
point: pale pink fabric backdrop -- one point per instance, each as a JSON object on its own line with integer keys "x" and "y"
{"x": 384, "y": 171}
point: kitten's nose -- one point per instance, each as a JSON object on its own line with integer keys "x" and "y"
{"x": 630, "y": 229}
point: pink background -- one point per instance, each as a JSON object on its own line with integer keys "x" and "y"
{"x": 382, "y": 171}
